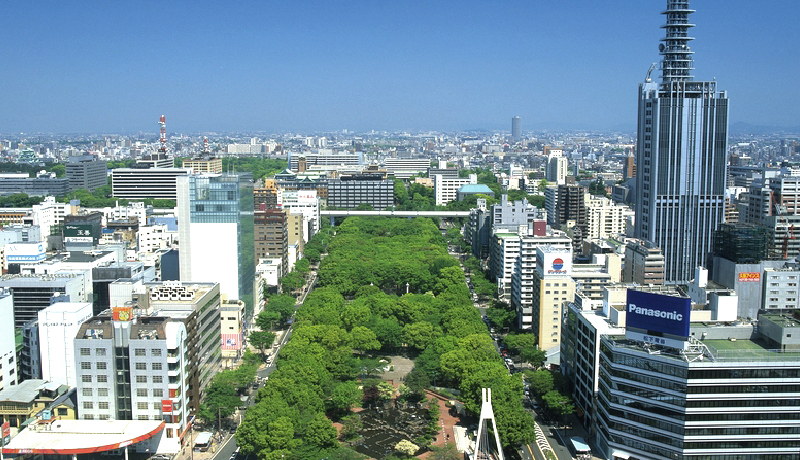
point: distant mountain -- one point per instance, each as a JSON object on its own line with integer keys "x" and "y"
{"x": 741, "y": 127}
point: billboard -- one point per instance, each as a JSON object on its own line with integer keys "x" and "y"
{"x": 77, "y": 233}
{"x": 231, "y": 341}
{"x": 554, "y": 261}
{"x": 25, "y": 252}
{"x": 121, "y": 313}
{"x": 166, "y": 406}
{"x": 658, "y": 313}
{"x": 751, "y": 277}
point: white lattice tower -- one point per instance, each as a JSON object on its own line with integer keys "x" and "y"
{"x": 483, "y": 448}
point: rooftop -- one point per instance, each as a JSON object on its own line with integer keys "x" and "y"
{"x": 23, "y": 392}
{"x": 64, "y": 437}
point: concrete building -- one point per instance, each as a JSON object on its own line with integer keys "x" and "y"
{"x": 557, "y": 166}
{"x": 135, "y": 369}
{"x": 404, "y": 168}
{"x": 216, "y": 211}
{"x": 86, "y": 172}
{"x": 197, "y": 306}
{"x": 523, "y": 281}
{"x": 232, "y": 330}
{"x": 516, "y": 129}
{"x": 29, "y": 359}
{"x": 58, "y": 325}
{"x": 204, "y": 165}
{"x": 271, "y": 236}
{"x": 353, "y": 190}
{"x": 43, "y": 184}
{"x": 445, "y": 189}
{"x": 138, "y": 184}
{"x": 604, "y": 218}
{"x": 8, "y": 346}
{"x": 28, "y": 398}
{"x": 33, "y": 293}
{"x": 305, "y": 202}
{"x": 644, "y": 263}
{"x": 551, "y": 290}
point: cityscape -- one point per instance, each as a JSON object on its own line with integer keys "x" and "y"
{"x": 504, "y": 285}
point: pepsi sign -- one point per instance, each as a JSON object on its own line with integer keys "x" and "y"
{"x": 658, "y": 313}
{"x": 558, "y": 264}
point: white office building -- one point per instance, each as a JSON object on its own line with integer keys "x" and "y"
{"x": 8, "y": 346}
{"x": 58, "y": 325}
{"x": 445, "y": 189}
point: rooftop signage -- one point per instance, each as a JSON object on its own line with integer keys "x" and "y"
{"x": 658, "y": 313}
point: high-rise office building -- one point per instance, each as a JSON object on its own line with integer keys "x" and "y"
{"x": 681, "y": 154}
{"x": 215, "y": 215}
{"x": 516, "y": 129}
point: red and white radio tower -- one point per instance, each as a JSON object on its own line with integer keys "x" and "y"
{"x": 163, "y": 138}
{"x": 205, "y": 146}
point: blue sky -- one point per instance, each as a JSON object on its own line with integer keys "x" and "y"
{"x": 92, "y": 66}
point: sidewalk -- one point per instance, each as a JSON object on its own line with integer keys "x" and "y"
{"x": 187, "y": 454}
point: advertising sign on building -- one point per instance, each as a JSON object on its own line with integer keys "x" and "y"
{"x": 751, "y": 277}
{"x": 231, "y": 341}
{"x": 658, "y": 313}
{"x": 25, "y": 252}
{"x": 77, "y": 233}
{"x": 121, "y": 313}
{"x": 554, "y": 261}
{"x": 166, "y": 406}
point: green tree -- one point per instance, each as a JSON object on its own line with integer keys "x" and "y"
{"x": 262, "y": 340}
{"x": 320, "y": 432}
{"x": 518, "y": 340}
{"x": 558, "y": 403}
{"x": 364, "y": 339}
{"x": 344, "y": 397}
{"x": 351, "y": 425}
{"x": 420, "y": 334}
{"x": 541, "y": 382}
{"x": 220, "y": 400}
{"x": 533, "y": 355}
{"x": 446, "y": 452}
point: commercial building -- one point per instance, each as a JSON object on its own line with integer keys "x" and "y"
{"x": 523, "y": 298}
{"x": 58, "y": 325}
{"x": 86, "y": 172}
{"x": 557, "y": 166}
{"x": 8, "y": 346}
{"x": 204, "y": 165}
{"x": 551, "y": 289}
{"x": 232, "y": 330}
{"x": 215, "y": 212}
{"x": 43, "y": 184}
{"x": 604, "y": 218}
{"x": 197, "y": 306}
{"x": 138, "y": 184}
{"x": 325, "y": 157}
{"x": 28, "y": 398}
{"x": 644, "y": 263}
{"x": 305, "y": 202}
{"x": 33, "y": 293}
{"x": 351, "y": 191}
{"x": 271, "y": 236}
{"x": 682, "y": 133}
{"x": 135, "y": 368}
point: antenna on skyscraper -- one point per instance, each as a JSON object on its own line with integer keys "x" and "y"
{"x": 647, "y": 79}
{"x": 163, "y": 137}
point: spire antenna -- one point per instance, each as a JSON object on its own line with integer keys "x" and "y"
{"x": 676, "y": 62}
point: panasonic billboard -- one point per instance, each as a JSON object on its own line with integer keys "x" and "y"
{"x": 658, "y": 313}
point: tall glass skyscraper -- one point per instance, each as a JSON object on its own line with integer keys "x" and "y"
{"x": 215, "y": 227}
{"x": 680, "y": 155}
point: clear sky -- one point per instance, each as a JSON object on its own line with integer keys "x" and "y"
{"x": 217, "y": 66}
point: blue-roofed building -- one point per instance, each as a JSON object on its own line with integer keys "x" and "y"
{"x": 473, "y": 189}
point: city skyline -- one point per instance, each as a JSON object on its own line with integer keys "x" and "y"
{"x": 363, "y": 66}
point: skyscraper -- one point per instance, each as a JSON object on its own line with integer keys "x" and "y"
{"x": 516, "y": 129}
{"x": 680, "y": 155}
{"x": 215, "y": 226}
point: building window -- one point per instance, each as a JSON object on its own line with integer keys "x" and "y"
{"x": 141, "y": 379}
{"x": 158, "y": 392}
{"x": 87, "y": 391}
{"x": 102, "y": 378}
{"x": 156, "y": 366}
{"x": 141, "y": 392}
{"x": 102, "y": 392}
{"x": 141, "y": 366}
{"x": 141, "y": 405}
{"x": 140, "y": 352}
{"x": 142, "y": 417}
{"x": 85, "y": 352}
{"x": 157, "y": 405}
{"x": 100, "y": 351}
{"x": 101, "y": 366}
{"x": 103, "y": 416}
{"x": 62, "y": 411}
{"x": 102, "y": 405}
{"x": 158, "y": 379}
{"x": 86, "y": 365}
{"x": 88, "y": 417}
{"x": 88, "y": 405}
{"x": 155, "y": 351}
{"x": 87, "y": 379}
{"x": 169, "y": 432}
